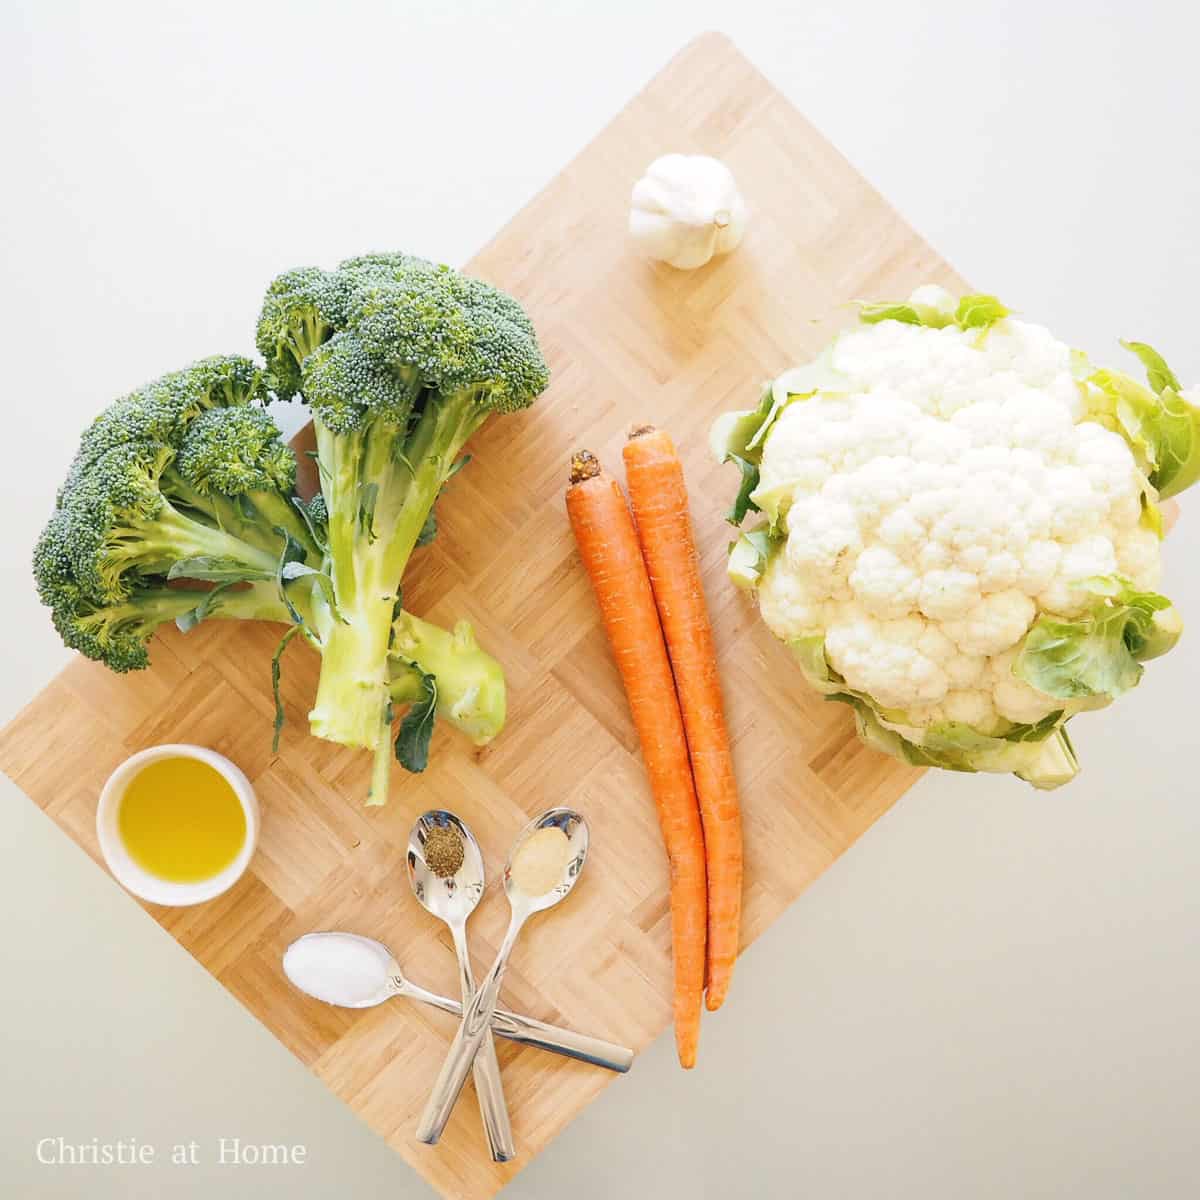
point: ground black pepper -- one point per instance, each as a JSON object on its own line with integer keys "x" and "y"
{"x": 443, "y": 851}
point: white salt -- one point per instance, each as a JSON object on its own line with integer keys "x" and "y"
{"x": 339, "y": 968}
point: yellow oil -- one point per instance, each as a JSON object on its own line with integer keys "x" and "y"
{"x": 181, "y": 820}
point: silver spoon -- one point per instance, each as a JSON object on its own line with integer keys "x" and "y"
{"x": 383, "y": 979}
{"x": 452, "y": 898}
{"x": 477, "y": 1015}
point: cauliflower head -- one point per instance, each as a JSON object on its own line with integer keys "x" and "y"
{"x": 959, "y": 532}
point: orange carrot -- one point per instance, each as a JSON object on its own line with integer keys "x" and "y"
{"x": 609, "y": 548}
{"x": 658, "y": 495}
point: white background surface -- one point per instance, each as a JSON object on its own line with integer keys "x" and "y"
{"x": 995, "y": 993}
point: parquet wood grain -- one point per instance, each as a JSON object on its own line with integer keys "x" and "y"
{"x": 627, "y": 341}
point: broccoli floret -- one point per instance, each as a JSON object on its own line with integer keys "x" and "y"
{"x": 233, "y": 466}
{"x": 166, "y": 483}
{"x": 302, "y": 309}
{"x": 345, "y": 386}
{"x": 115, "y": 629}
{"x": 162, "y": 410}
{"x": 236, "y": 450}
{"x": 401, "y": 361}
{"x": 120, "y": 526}
{"x": 117, "y": 634}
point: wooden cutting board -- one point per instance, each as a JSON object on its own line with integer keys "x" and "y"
{"x": 627, "y": 341}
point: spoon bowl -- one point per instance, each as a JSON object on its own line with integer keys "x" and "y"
{"x": 451, "y": 898}
{"x": 573, "y": 855}
{"x": 367, "y": 972}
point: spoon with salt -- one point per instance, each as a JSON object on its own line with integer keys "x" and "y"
{"x": 543, "y": 867}
{"x": 351, "y": 971}
{"x": 445, "y": 868}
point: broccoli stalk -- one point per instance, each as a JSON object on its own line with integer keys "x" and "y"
{"x": 369, "y": 547}
{"x": 470, "y": 683}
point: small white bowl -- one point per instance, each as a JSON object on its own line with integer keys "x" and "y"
{"x": 134, "y": 877}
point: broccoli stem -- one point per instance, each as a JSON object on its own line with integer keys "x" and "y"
{"x": 148, "y": 608}
{"x": 152, "y": 546}
{"x": 339, "y": 459}
{"x": 352, "y": 691}
{"x": 280, "y": 513}
{"x": 369, "y": 549}
{"x": 254, "y": 518}
{"x": 381, "y": 768}
{"x": 471, "y": 691}
{"x": 255, "y": 602}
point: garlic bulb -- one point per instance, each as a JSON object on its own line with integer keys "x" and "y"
{"x": 686, "y": 209}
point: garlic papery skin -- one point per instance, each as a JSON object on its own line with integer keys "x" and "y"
{"x": 686, "y": 209}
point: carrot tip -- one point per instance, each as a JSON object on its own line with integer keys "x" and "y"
{"x": 584, "y": 465}
{"x": 714, "y": 1001}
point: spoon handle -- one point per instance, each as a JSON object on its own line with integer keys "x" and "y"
{"x": 529, "y": 1031}
{"x": 486, "y": 1070}
{"x": 476, "y": 1021}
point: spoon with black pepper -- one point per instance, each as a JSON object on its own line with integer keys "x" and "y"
{"x": 445, "y": 868}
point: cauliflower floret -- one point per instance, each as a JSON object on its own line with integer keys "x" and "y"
{"x": 1038, "y": 566}
{"x": 1088, "y": 557}
{"x": 968, "y": 707}
{"x": 948, "y": 594}
{"x": 993, "y": 624}
{"x": 1077, "y": 506}
{"x": 823, "y": 539}
{"x": 1139, "y": 557}
{"x": 788, "y": 606}
{"x": 933, "y": 556}
{"x": 1036, "y": 355}
{"x": 1000, "y": 572}
{"x": 938, "y": 442}
{"x": 885, "y": 585}
{"x": 965, "y": 671}
{"x": 881, "y": 658}
{"x": 972, "y": 708}
{"x": 1032, "y": 424}
{"x": 901, "y": 530}
{"x": 1106, "y": 460}
{"x": 1013, "y": 698}
{"x": 808, "y": 443}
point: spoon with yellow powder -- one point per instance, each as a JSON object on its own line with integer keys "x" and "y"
{"x": 543, "y": 866}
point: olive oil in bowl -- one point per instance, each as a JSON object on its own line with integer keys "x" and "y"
{"x": 177, "y": 824}
{"x": 181, "y": 820}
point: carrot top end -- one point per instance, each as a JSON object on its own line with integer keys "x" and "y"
{"x": 584, "y": 465}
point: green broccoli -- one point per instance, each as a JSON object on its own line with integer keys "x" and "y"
{"x": 187, "y": 478}
{"x": 400, "y": 361}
